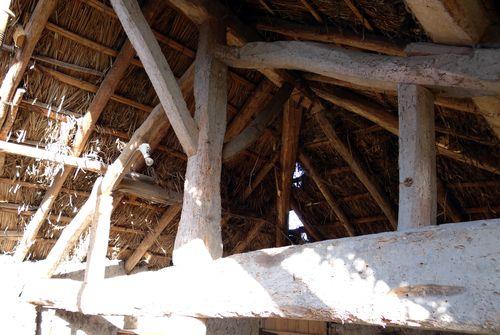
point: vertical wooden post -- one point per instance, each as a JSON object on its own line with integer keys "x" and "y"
{"x": 292, "y": 116}
{"x": 198, "y": 237}
{"x": 417, "y": 158}
{"x": 99, "y": 237}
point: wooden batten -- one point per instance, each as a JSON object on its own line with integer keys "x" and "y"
{"x": 417, "y": 158}
{"x": 198, "y": 238}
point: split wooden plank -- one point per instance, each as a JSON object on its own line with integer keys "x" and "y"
{"x": 451, "y": 74}
{"x": 19, "y": 63}
{"x": 311, "y": 171}
{"x": 159, "y": 72}
{"x": 417, "y": 158}
{"x": 256, "y": 128}
{"x": 290, "y": 131}
{"x": 84, "y": 130}
{"x": 167, "y": 218}
{"x": 199, "y": 237}
{"x": 355, "y": 165}
{"x": 321, "y": 274}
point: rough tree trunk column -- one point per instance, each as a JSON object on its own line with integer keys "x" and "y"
{"x": 198, "y": 237}
{"x": 417, "y": 158}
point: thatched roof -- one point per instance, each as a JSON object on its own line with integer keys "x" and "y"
{"x": 474, "y": 191}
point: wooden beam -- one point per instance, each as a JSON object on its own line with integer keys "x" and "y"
{"x": 99, "y": 239}
{"x": 290, "y": 133}
{"x": 149, "y": 191}
{"x": 168, "y": 216}
{"x": 450, "y": 74}
{"x": 242, "y": 245}
{"x": 355, "y": 165}
{"x": 158, "y": 70}
{"x": 41, "y": 154}
{"x": 252, "y": 104}
{"x": 9, "y": 122}
{"x": 256, "y": 128}
{"x": 19, "y": 63}
{"x": 419, "y": 283}
{"x": 311, "y": 171}
{"x": 417, "y": 158}
{"x": 311, "y": 231}
{"x": 199, "y": 237}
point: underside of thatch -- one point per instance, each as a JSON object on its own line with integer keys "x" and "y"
{"x": 474, "y": 191}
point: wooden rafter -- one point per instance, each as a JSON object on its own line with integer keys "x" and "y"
{"x": 159, "y": 72}
{"x": 86, "y": 125}
{"x": 354, "y": 163}
{"x": 257, "y": 127}
{"x": 377, "y": 114}
{"x": 330, "y": 199}
{"x": 357, "y": 13}
{"x": 22, "y": 56}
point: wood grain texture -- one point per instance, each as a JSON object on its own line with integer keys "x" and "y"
{"x": 417, "y": 158}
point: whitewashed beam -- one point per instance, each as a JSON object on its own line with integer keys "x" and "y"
{"x": 474, "y": 74}
{"x": 417, "y": 158}
{"x": 418, "y": 278}
{"x": 143, "y": 39}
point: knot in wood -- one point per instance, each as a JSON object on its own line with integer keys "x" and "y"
{"x": 408, "y": 182}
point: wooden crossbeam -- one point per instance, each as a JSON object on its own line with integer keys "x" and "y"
{"x": 159, "y": 72}
{"x": 395, "y": 278}
{"x": 451, "y": 74}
